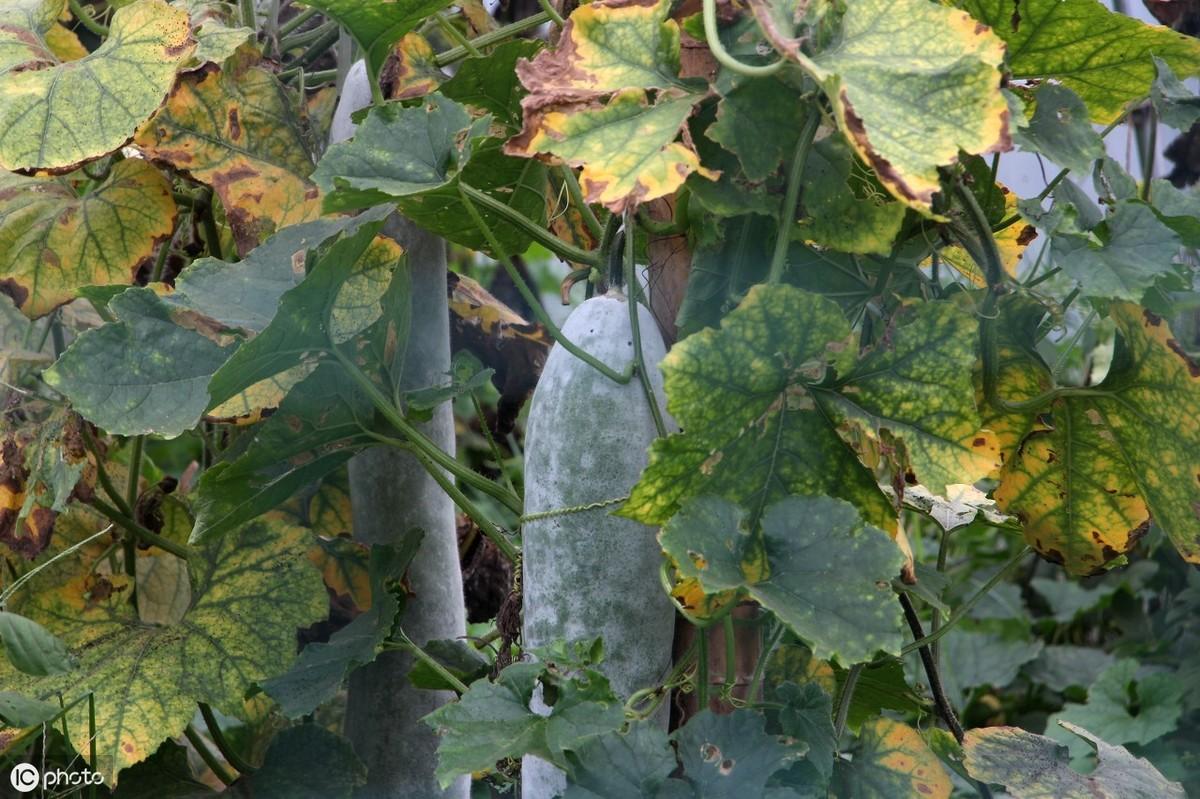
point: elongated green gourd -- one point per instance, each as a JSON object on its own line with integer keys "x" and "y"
{"x": 589, "y": 573}
{"x": 392, "y": 493}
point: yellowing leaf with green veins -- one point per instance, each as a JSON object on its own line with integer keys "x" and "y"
{"x": 377, "y": 24}
{"x": 63, "y": 115}
{"x": 607, "y": 46}
{"x": 763, "y": 418}
{"x": 895, "y": 761}
{"x": 26, "y": 27}
{"x": 1103, "y": 56}
{"x": 1012, "y": 242}
{"x": 1073, "y": 492}
{"x": 64, "y": 43}
{"x": 53, "y": 241}
{"x": 253, "y": 404}
{"x": 814, "y": 564}
{"x": 250, "y": 591}
{"x": 912, "y": 83}
{"x": 627, "y": 147}
{"x": 1082, "y": 484}
{"x": 235, "y": 129}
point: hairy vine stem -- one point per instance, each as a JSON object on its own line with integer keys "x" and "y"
{"x": 844, "y": 700}
{"x": 713, "y": 38}
{"x": 564, "y": 250}
{"x": 535, "y": 303}
{"x": 787, "y": 213}
{"x": 575, "y": 193}
{"x": 632, "y": 290}
{"x": 406, "y": 644}
{"x": 147, "y": 536}
{"x": 945, "y": 709}
{"x": 492, "y": 37}
{"x": 223, "y": 746}
{"x": 87, "y": 20}
{"x": 210, "y": 760}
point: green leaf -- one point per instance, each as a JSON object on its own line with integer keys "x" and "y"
{"x": 768, "y": 375}
{"x": 54, "y": 241}
{"x": 816, "y": 566}
{"x": 755, "y": 126}
{"x": 21, "y": 711}
{"x": 377, "y": 24}
{"x": 490, "y": 83}
{"x": 1033, "y": 766}
{"x": 236, "y": 130}
{"x": 144, "y": 373}
{"x": 808, "y": 717}
{"x": 983, "y": 658}
{"x": 626, "y": 147}
{"x": 165, "y": 775}
{"x": 214, "y": 29}
{"x": 1133, "y": 249}
{"x": 1103, "y": 56}
{"x": 895, "y": 761}
{"x": 306, "y": 762}
{"x": 251, "y": 591}
{"x": 908, "y": 116}
{"x": 66, "y": 114}
{"x": 492, "y": 720}
{"x": 1060, "y": 667}
{"x": 1175, "y": 104}
{"x": 606, "y": 48}
{"x": 1068, "y": 599}
{"x": 31, "y": 648}
{"x": 321, "y": 668}
{"x": 845, "y": 208}
{"x": 397, "y": 152}
{"x": 633, "y": 763}
{"x": 1060, "y": 130}
{"x": 1178, "y": 209}
{"x": 1123, "y": 708}
{"x": 338, "y": 297}
{"x": 730, "y": 756}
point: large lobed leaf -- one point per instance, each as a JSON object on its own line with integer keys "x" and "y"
{"x": 377, "y": 24}
{"x": 54, "y": 241}
{"x": 773, "y": 403}
{"x": 251, "y": 591}
{"x": 62, "y": 115}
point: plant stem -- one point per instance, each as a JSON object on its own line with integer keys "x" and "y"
{"x": 492, "y": 37}
{"x": 931, "y": 671}
{"x": 147, "y": 536}
{"x": 208, "y": 219}
{"x": 91, "y": 697}
{"x": 843, "y": 704}
{"x": 702, "y": 668}
{"x": 787, "y": 213}
{"x": 210, "y": 760}
{"x": 102, "y": 473}
{"x": 730, "y": 653}
{"x": 760, "y": 668}
{"x": 297, "y": 21}
{"x": 131, "y": 496}
{"x": 492, "y": 445}
{"x": 454, "y": 33}
{"x": 564, "y": 250}
{"x": 535, "y": 304}
{"x": 86, "y": 19}
{"x": 249, "y": 18}
{"x": 318, "y": 48}
{"x": 227, "y": 751}
{"x": 420, "y": 654}
{"x": 552, "y": 12}
{"x": 576, "y": 194}
{"x": 961, "y": 611}
{"x": 632, "y": 290}
{"x": 723, "y": 56}
{"x": 419, "y": 441}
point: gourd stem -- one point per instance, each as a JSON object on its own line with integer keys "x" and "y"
{"x": 454, "y": 33}
{"x": 632, "y": 290}
{"x": 405, "y": 643}
{"x": 492, "y": 37}
{"x": 723, "y": 56}
{"x": 297, "y": 21}
{"x": 419, "y": 441}
{"x": 249, "y": 18}
{"x": 147, "y": 536}
{"x": 223, "y": 746}
{"x": 702, "y": 668}
{"x": 552, "y": 12}
{"x": 210, "y": 760}
{"x": 129, "y": 545}
{"x": 564, "y": 250}
{"x": 844, "y": 700}
{"x": 760, "y": 668}
{"x": 86, "y": 19}
{"x": 730, "y": 654}
{"x": 787, "y": 213}
{"x": 575, "y": 192}
{"x": 102, "y": 473}
{"x": 931, "y": 671}
{"x": 531, "y": 299}
{"x": 492, "y": 445}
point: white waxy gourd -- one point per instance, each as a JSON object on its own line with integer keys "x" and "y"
{"x": 590, "y": 573}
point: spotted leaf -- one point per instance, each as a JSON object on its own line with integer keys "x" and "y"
{"x": 895, "y": 761}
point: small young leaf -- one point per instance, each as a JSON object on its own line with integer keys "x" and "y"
{"x": 31, "y": 648}
{"x": 1061, "y": 131}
